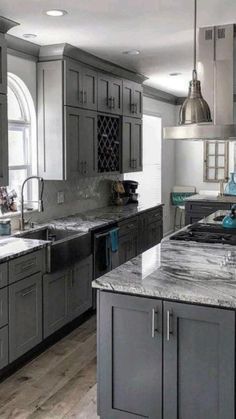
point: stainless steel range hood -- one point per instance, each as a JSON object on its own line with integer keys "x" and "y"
{"x": 217, "y": 72}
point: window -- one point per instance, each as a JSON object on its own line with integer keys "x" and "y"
{"x": 216, "y": 161}
{"x": 21, "y": 136}
{"x": 150, "y": 178}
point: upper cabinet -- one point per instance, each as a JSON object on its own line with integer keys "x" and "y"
{"x": 3, "y": 141}
{"x": 132, "y": 99}
{"x": 109, "y": 94}
{"x": 80, "y": 86}
{"x": 81, "y": 117}
{"x": 3, "y": 65}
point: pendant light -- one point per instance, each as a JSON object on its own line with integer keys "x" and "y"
{"x": 195, "y": 109}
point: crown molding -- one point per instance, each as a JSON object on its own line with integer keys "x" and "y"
{"x": 6, "y": 24}
{"x": 22, "y": 48}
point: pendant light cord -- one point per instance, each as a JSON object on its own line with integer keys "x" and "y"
{"x": 195, "y": 42}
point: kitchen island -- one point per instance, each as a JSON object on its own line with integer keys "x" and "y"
{"x": 166, "y": 334}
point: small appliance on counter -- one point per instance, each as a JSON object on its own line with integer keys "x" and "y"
{"x": 125, "y": 192}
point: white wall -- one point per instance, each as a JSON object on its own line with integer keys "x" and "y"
{"x": 168, "y": 115}
{"x": 26, "y": 70}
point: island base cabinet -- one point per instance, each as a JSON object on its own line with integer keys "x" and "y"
{"x": 130, "y": 357}
{"x": 199, "y": 365}
{"x": 25, "y": 315}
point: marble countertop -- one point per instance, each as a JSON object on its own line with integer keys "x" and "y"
{"x": 93, "y": 219}
{"x": 13, "y": 247}
{"x": 181, "y": 271}
{"x": 212, "y": 198}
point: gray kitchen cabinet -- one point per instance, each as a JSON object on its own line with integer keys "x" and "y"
{"x": 199, "y": 362}
{"x": 80, "y": 288}
{"x": 3, "y": 274}
{"x": 132, "y": 145}
{"x": 197, "y": 210}
{"x": 150, "y": 229}
{"x": 130, "y": 357}
{"x": 80, "y": 86}
{"x": 109, "y": 94}
{"x": 3, "y": 347}
{"x": 3, "y": 306}
{"x": 3, "y": 141}
{"x": 26, "y": 265}
{"x": 25, "y": 315}
{"x": 128, "y": 239}
{"x": 81, "y": 140}
{"x": 55, "y": 296}
{"x": 3, "y": 64}
{"x": 132, "y": 99}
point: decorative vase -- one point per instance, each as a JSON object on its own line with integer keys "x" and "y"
{"x": 230, "y": 188}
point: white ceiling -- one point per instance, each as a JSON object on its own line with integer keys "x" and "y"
{"x": 160, "y": 29}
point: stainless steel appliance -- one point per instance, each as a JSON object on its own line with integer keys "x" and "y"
{"x": 105, "y": 257}
{"x": 130, "y": 187}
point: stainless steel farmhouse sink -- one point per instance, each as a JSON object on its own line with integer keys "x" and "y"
{"x": 67, "y": 246}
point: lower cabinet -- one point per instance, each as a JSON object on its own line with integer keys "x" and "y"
{"x": 127, "y": 247}
{"x": 4, "y": 347}
{"x": 197, "y": 210}
{"x": 130, "y": 360}
{"x": 185, "y": 358}
{"x": 80, "y": 289}
{"x": 55, "y": 290}
{"x": 25, "y": 315}
{"x": 66, "y": 295}
{"x": 150, "y": 229}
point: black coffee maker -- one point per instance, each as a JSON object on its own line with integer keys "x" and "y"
{"x": 130, "y": 187}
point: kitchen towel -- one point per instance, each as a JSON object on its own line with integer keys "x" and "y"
{"x": 114, "y": 239}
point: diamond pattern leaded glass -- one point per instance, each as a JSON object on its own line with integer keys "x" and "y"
{"x": 108, "y": 144}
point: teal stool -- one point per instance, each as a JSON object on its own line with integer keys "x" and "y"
{"x": 178, "y": 201}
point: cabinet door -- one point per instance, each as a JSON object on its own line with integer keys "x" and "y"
{"x": 128, "y": 109}
{"x": 3, "y": 64}
{"x": 80, "y": 289}
{"x": 89, "y": 89}
{"x": 142, "y": 233}
{"x": 25, "y": 315}
{"x": 130, "y": 357}
{"x": 138, "y": 100}
{"x": 199, "y": 362}
{"x": 3, "y": 346}
{"x": 137, "y": 145}
{"x": 154, "y": 234}
{"x": 74, "y": 93}
{"x": 127, "y": 247}
{"x": 55, "y": 287}
{"x": 127, "y": 130}
{"x": 3, "y": 141}
{"x": 88, "y": 143}
{"x": 116, "y": 96}
{"x": 81, "y": 143}
{"x": 104, "y": 93}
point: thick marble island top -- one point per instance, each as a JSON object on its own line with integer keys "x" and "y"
{"x": 181, "y": 271}
{"x": 13, "y": 247}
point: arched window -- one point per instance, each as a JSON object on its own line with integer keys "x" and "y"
{"x": 21, "y": 135}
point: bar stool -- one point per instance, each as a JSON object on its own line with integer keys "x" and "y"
{"x": 178, "y": 197}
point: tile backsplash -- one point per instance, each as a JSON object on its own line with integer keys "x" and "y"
{"x": 80, "y": 195}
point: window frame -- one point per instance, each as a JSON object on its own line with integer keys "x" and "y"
{"x": 216, "y": 155}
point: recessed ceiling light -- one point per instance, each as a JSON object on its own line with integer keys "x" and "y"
{"x": 175, "y": 74}
{"x": 56, "y": 13}
{"x": 29, "y": 35}
{"x": 132, "y": 52}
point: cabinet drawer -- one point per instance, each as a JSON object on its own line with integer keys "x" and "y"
{"x": 26, "y": 265}
{"x": 128, "y": 226}
{"x": 207, "y": 207}
{"x": 3, "y": 307}
{"x": 3, "y": 275}
{"x": 154, "y": 215}
{"x": 3, "y": 347}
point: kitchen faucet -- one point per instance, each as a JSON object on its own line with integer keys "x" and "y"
{"x": 40, "y": 201}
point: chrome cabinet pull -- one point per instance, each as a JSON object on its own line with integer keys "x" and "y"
{"x": 110, "y": 102}
{"x": 154, "y": 328}
{"x": 85, "y": 96}
{"x": 23, "y": 294}
{"x": 113, "y": 103}
{"x": 169, "y": 330}
{"x": 82, "y": 96}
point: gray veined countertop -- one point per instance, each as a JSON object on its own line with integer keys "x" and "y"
{"x": 181, "y": 271}
{"x": 13, "y": 247}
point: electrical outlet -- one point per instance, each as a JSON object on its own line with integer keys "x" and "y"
{"x": 60, "y": 197}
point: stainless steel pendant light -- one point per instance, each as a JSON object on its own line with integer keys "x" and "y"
{"x": 195, "y": 109}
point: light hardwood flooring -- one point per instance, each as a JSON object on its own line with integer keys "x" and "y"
{"x": 59, "y": 383}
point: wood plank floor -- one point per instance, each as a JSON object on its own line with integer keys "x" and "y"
{"x": 59, "y": 383}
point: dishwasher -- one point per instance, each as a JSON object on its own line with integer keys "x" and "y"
{"x": 105, "y": 250}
